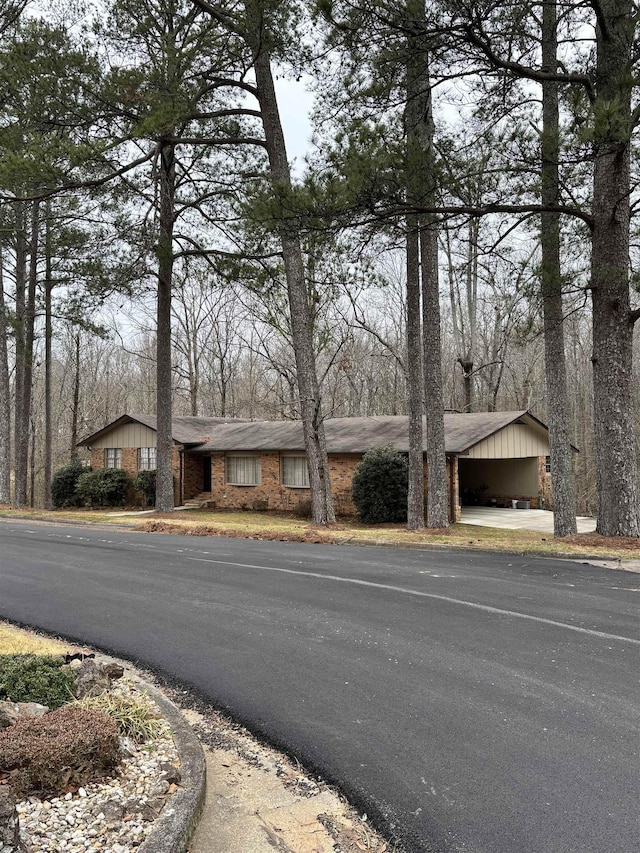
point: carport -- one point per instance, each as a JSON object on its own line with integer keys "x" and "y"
{"x": 497, "y": 482}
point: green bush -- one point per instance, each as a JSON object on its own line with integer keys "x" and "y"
{"x": 64, "y": 482}
{"x": 380, "y": 485}
{"x": 104, "y": 487}
{"x": 36, "y": 678}
{"x": 145, "y": 483}
{"x": 65, "y": 748}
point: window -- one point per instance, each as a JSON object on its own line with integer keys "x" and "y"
{"x": 113, "y": 457}
{"x": 547, "y": 464}
{"x": 295, "y": 472}
{"x": 147, "y": 459}
{"x": 242, "y": 470}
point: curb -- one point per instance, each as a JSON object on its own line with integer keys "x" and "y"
{"x": 173, "y": 829}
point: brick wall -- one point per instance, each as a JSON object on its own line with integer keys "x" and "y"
{"x": 130, "y": 465}
{"x": 193, "y": 475}
{"x": 271, "y": 494}
{"x": 544, "y": 484}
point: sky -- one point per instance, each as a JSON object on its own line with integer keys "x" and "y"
{"x": 295, "y": 104}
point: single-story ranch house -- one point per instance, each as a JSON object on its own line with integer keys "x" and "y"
{"x": 493, "y": 458}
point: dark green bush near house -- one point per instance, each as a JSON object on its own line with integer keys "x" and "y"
{"x": 379, "y": 486}
{"x": 36, "y": 678}
{"x": 64, "y": 482}
{"x": 145, "y": 483}
{"x": 65, "y": 748}
{"x": 105, "y": 487}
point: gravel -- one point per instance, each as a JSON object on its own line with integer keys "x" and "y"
{"x": 114, "y": 815}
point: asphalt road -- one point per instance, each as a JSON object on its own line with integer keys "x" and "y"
{"x": 476, "y": 703}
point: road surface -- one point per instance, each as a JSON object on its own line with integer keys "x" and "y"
{"x": 467, "y": 702}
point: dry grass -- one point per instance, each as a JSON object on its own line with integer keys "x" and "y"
{"x": 16, "y": 641}
{"x": 273, "y": 526}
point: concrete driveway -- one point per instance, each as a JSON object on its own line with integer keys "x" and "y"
{"x": 519, "y": 519}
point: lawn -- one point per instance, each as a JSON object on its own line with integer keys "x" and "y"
{"x": 266, "y": 525}
{"x": 16, "y": 641}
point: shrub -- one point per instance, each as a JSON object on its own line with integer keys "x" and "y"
{"x": 36, "y": 678}
{"x": 64, "y": 482}
{"x": 135, "y": 718}
{"x": 105, "y": 487}
{"x": 65, "y": 748}
{"x": 145, "y": 483}
{"x": 380, "y": 485}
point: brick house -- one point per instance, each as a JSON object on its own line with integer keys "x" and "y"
{"x": 493, "y": 458}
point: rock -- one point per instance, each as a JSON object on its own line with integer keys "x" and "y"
{"x": 9, "y": 821}
{"x": 11, "y": 712}
{"x": 170, "y": 772}
{"x": 113, "y": 671}
{"x": 91, "y": 679}
{"x": 128, "y": 747}
{"x": 159, "y": 788}
{"x": 113, "y": 811}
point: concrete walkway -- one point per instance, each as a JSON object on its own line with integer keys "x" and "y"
{"x": 519, "y": 519}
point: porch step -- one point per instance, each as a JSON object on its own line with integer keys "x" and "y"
{"x": 201, "y": 501}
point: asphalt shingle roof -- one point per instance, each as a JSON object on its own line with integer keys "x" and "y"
{"x": 344, "y": 435}
{"x": 356, "y": 435}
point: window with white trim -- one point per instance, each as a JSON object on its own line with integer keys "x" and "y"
{"x": 242, "y": 469}
{"x": 547, "y": 464}
{"x": 294, "y": 472}
{"x": 113, "y": 457}
{"x": 147, "y": 459}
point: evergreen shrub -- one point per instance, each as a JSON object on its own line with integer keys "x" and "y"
{"x": 64, "y": 482}
{"x": 145, "y": 483}
{"x": 104, "y": 487}
{"x": 62, "y": 750}
{"x": 380, "y": 485}
{"x": 36, "y": 678}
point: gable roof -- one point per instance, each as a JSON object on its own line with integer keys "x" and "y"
{"x": 185, "y": 429}
{"x": 357, "y": 435}
{"x": 343, "y": 435}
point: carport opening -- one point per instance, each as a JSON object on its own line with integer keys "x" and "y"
{"x": 498, "y": 482}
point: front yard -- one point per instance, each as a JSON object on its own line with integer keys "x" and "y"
{"x": 264, "y": 525}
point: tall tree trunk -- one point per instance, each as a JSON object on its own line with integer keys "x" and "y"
{"x": 614, "y": 438}
{"x": 437, "y": 492}
{"x": 413, "y": 367}
{"x": 413, "y": 370}
{"x": 5, "y": 402}
{"x": 48, "y": 442}
{"x": 564, "y": 500}
{"x": 299, "y": 307}
{"x": 73, "y": 450}
{"x": 164, "y": 473}
{"x": 23, "y": 404}
{"x": 19, "y": 438}
{"x": 32, "y": 464}
{"x": 421, "y": 163}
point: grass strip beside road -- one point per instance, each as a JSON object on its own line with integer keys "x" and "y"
{"x": 18, "y": 641}
{"x": 282, "y": 527}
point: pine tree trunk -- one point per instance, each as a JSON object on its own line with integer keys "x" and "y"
{"x": 5, "y": 402}
{"x": 420, "y": 164}
{"x": 48, "y": 440}
{"x": 437, "y": 492}
{"x": 415, "y": 500}
{"x": 164, "y": 436}
{"x": 564, "y": 503}
{"x": 19, "y": 438}
{"x": 73, "y": 450}
{"x": 23, "y": 396}
{"x": 614, "y": 438}
{"x": 302, "y": 320}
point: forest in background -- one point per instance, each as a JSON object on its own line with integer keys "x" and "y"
{"x": 144, "y": 185}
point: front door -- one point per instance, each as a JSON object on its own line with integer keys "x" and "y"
{"x": 206, "y": 474}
